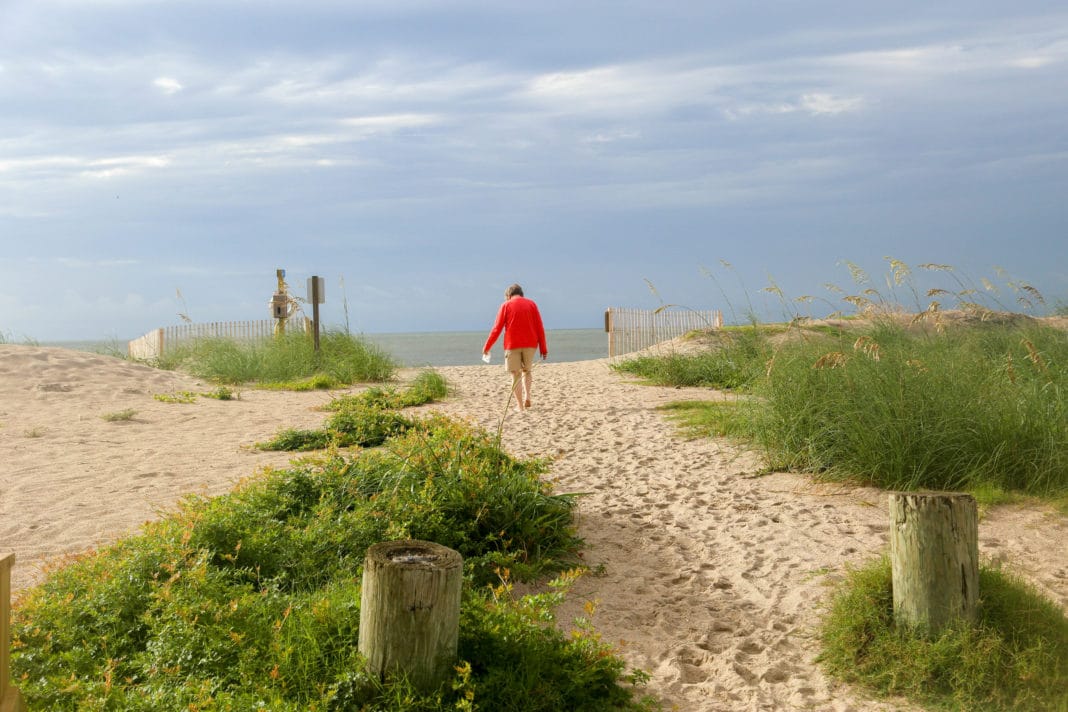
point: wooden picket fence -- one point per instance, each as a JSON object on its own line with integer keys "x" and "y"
{"x": 157, "y": 342}
{"x": 631, "y": 330}
{"x": 10, "y": 699}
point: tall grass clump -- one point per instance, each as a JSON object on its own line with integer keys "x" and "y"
{"x": 342, "y": 359}
{"x": 1014, "y": 657}
{"x": 251, "y": 601}
{"x": 920, "y": 397}
{"x": 736, "y": 362}
{"x": 975, "y": 406}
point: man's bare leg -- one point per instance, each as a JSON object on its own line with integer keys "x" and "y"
{"x": 517, "y": 389}
{"x": 528, "y": 380}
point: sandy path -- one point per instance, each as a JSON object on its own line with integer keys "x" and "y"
{"x": 712, "y": 577}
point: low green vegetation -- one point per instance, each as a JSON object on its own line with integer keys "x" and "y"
{"x": 288, "y": 361}
{"x": 427, "y": 387}
{"x": 176, "y": 397}
{"x": 705, "y": 419}
{"x": 251, "y": 601}
{"x": 1015, "y": 656}
{"x": 222, "y": 393}
{"x": 356, "y": 425}
{"x": 365, "y": 419}
{"x": 120, "y": 416}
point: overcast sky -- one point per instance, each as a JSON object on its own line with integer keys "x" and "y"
{"x": 421, "y": 156}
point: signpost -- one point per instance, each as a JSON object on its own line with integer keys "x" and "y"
{"x": 317, "y": 296}
{"x": 280, "y": 304}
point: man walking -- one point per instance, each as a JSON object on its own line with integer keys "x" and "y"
{"x": 523, "y": 334}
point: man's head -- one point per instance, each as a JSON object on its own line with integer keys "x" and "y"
{"x": 514, "y": 291}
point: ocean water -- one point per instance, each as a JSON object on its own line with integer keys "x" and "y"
{"x": 463, "y": 348}
{"x": 437, "y": 348}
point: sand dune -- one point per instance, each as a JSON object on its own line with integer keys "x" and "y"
{"x": 711, "y": 576}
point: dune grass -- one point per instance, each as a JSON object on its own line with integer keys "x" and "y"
{"x": 975, "y": 399}
{"x": 736, "y": 363}
{"x": 250, "y": 601}
{"x": 978, "y": 406}
{"x": 1015, "y": 656}
{"x": 288, "y": 361}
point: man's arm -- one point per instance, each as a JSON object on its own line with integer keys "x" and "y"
{"x": 543, "y": 345}
{"x": 498, "y": 327}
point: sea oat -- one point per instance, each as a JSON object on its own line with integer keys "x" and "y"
{"x": 859, "y": 275}
{"x": 899, "y": 269}
{"x": 867, "y": 345}
{"x": 831, "y": 359}
{"x": 1033, "y": 292}
{"x": 1035, "y": 357}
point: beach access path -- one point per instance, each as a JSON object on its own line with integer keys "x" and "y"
{"x": 709, "y": 575}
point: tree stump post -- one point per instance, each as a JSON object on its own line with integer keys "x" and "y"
{"x": 934, "y": 556}
{"x": 410, "y": 611}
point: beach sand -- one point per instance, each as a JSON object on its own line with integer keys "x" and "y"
{"x": 710, "y": 576}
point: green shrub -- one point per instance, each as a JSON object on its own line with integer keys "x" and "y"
{"x": 251, "y": 600}
{"x": 292, "y": 439}
{"x": 363, "y": 419}
{"x": 427, "y": 387}
{"x": 366, "y": 426}
{"x": 1015, "y": 657}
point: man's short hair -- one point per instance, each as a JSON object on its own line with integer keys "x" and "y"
{"x": 514, "y": 291}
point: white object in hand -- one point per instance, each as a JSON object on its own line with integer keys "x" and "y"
{"x": 485, "y": 358}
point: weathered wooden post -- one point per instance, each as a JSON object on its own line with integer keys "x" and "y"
{"x": 410, "y": 610}
{"x": 608, "y": 327}
{"x": 934, "y": 556}
{"x": 10, "y": 699}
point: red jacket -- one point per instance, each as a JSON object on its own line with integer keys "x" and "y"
{"x": 521, "y": 322}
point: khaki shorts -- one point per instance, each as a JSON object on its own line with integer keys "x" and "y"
{"x": 519, "y": 359}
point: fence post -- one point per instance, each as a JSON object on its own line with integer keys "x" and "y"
{"x": 410, "y": 611}
{"x": 10, "y": 698}
{"x": 608, "y": 329}
{"x": 934, "y": 557}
